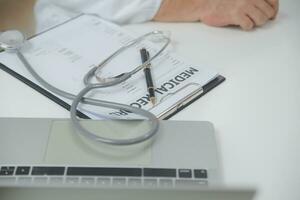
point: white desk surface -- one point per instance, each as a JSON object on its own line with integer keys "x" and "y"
{"x": 256, "y": 111}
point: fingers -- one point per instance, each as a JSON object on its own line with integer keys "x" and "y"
{"x": 262, "y": 11}
{"x": 275, "y": 5}
{"x": 266, "y": 8}
{"x": 245, "y": 22}
{"x": 245, "y": 13}
{"x": 256, "y": 13}
{"x": 242, "y": 20}
{"x": 257, "y": 16}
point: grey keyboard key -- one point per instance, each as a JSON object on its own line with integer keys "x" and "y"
{"x": 88, "y": 181}
{"x": 40, "y": 180}
{"x": 7, "y": 171}
{"x": 159, "y": 172}
{"x": 56, "y": 180}
{"x": 7, "y": 180}
{"x": 188, "y": 183}
{"x": 72, "y": 180}
{"x": 103, "y": 171}
{"x": 200, "y": 173}
{"x": 119, "y": 182}
{"x": 50, "y": 171}
{"x": 166, "y": 183}
{"x": 134, "y": 182}
{"x": 23, "y": 171}
{"x": 185, "y": 173}
{"x": 24, "y": 180}
{"x": 150, "y": 183}
{"x": 103, "y": 181}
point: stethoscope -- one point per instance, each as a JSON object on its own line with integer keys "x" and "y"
{"x": 13, "y": 40}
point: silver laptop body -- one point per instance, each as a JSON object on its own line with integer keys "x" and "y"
{"x": 182, "y": 155}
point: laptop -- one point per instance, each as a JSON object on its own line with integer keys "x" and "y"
{"x": 72, "y": 193}
{"x": 42, "y": 157}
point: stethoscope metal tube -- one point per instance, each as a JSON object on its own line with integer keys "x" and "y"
{"x": 16, "y": 43}
{"x": 96, "y": 70}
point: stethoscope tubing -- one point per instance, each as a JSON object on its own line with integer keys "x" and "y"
{"x": 77, "y": 99}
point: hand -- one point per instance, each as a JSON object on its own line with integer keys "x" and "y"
{"x": 244, "y": 13}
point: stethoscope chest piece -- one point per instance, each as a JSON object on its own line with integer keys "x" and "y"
{"x": 11, "y": 40}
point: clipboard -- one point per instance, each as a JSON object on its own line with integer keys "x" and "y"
{"x": 196, "y": 93}
{"x": 205, "y": 89}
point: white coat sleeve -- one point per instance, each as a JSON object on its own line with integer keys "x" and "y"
{"x": 49, "y": 12}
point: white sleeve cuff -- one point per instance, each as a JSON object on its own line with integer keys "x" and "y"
{"x": 124, "y": 11}
{"x": 51, "y": 12}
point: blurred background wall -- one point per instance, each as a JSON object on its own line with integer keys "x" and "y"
{"x": 17, "y": 14}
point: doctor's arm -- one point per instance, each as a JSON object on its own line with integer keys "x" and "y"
{"x": 244, "y": 13}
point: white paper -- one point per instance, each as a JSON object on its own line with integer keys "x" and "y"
{"x": 63, "y": 55}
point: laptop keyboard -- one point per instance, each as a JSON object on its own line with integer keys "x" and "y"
{"x": 102, "y": 176}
